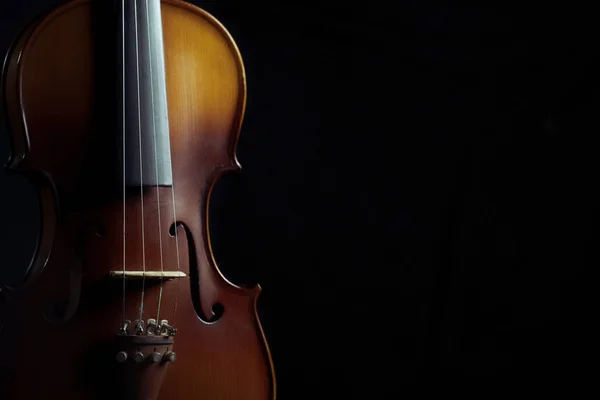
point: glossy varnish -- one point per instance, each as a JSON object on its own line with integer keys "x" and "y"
{"x": 59, "y": 323}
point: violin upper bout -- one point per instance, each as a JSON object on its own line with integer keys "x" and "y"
{"x": 206, "y": 91}
{"x": 46, "y": 91}
{"x": 10, "y": 99}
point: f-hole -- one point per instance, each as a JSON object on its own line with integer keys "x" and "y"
{"x": 217, "y": 309}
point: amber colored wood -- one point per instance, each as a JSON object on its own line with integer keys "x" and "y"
{"x": 59, "y": 324}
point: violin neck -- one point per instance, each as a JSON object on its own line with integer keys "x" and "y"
{"x": 146, "y": 156}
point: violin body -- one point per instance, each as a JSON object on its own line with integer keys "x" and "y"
{"x": 60, "y": 325}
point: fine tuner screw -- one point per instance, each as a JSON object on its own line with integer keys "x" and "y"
{"x": 151, "y": 327}
{"x": 125, "y": 327}
{"x": 138, "y": 357}
{"x": 139, "y": 327}
{"x": 165, "y": 327}
{"x": 121, "y": 357}
{"x": 155, "y": 357}
{"x": 170, "y": 356}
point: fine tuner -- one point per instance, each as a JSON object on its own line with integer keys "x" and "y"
{"x": 152, "y": 328}
{"x": 156, "y": 338}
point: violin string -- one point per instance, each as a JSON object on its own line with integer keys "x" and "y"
{"x": 175, "y": 222}
{"x": 137, "y": 69}
{"x": 160, "y": 291}
{"x": 176, "y": 242}
{"x": 124, "y": 164}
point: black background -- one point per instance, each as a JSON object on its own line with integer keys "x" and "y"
{"x": 416, "y": 194}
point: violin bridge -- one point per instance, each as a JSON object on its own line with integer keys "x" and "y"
{"x": 147, "y": 274}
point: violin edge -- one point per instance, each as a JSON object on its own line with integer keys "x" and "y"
{"x": 239, "y": 118}
{"x": 234, "y": 166}
{"x": 9, "y": 97}
{"x": 14, "y": 122}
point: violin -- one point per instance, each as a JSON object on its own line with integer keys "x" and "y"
{"x": 124, "y": 114}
